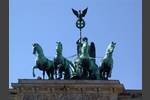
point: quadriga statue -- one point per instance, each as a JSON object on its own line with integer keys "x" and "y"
{"x": 84, "y": 66}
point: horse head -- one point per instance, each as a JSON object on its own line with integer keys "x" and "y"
{"x": 37, "y": 49}
{"x": 110, "y": 48}
{"x": 59, "y": 47}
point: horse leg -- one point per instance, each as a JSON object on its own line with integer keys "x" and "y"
{"x": 60, "y": 73}
{"x": 67, "y": 74}
{"x": 91, "y": 75}
{"x": 101, "y": 73}
{"x": 103, "y": 70}
{"x": 33, "y": 70}
{"x": 107, "y": 76}
{"x": 52, "y": 74}
{"x": 55, "y": 73}
{"x": 85, "y": 74}
{"x": 108, "y": 73}
{"x": 43, "y": 75}
{"x": 48, "y": 74}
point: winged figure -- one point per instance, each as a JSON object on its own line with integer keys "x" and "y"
{"x": 80, "y": 14}
{"x": 92, "y": 50}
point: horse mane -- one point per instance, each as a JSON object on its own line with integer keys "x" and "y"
{"x": 39, "y": 47}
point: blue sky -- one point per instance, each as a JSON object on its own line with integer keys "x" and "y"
{"x": 48, "y": 21}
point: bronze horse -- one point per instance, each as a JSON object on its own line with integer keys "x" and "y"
{"x": 61, "y": 64}
{"x": 107, "y": 62}
{"x": 43, "y": 63}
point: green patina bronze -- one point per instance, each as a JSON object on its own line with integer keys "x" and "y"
{"x": 83, "y": 66}
{"x": 106, "y": 66}
{"x": 61, "y": 64}
{"x": 85, "y": 62}
{"x": 43, "y": 63}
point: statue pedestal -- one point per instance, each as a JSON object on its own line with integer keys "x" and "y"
{"x": 30, "y": 89}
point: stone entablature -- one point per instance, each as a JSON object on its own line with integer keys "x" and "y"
{"x": 30, "y": 89}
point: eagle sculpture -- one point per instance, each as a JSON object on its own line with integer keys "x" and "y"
{"x": 80, "y": 14}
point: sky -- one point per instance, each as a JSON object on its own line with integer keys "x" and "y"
{"x": 48, "y": 21}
